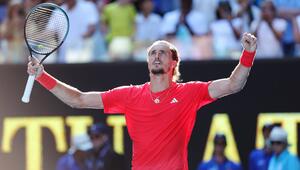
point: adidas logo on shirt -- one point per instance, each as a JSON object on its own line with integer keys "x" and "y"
{"x": 174, "y": 100}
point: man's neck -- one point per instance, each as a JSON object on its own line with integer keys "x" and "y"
{"x": 160, "y": 82}
{"x": 220, "y": 158}
{"x": 105, "y": 147}
{"x": 280, "y": 153}
{"x": 146, "y": 14}
{"x": 267, "y": 150}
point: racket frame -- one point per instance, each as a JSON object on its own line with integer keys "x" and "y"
{"x": 31, "y": 78}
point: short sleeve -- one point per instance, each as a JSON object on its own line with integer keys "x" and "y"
{"x": 115, "y": 100}
{"x": 169, "y": 23}
{"x": 200, "y": 93}
{"x": 93, "y": 13}
{"x": 198, "y": 23}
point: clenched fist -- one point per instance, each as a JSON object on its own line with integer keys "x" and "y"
{"x": 249, "y": 42}
{"x": 34, "y": 67}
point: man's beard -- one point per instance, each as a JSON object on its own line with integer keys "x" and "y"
{"x": 158, "y": 71}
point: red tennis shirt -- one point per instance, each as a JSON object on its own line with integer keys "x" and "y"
{"x": 160, "y": 132}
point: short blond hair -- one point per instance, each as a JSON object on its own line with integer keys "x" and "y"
{"x": 175, "y": 56}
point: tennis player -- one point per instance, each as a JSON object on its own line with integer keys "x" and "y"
{"x": 160, "y": 114}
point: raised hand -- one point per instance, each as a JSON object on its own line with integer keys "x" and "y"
{"x": 249, "y": 42}
{"x": 34, "y": 67}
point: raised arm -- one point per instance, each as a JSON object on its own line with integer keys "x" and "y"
{"x": 66, "y": 93}
{"x": 237, "y": 80}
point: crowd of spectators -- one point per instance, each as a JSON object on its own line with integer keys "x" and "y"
{"x": 93, "y": 151}
{"x": 274, "y": 155}
{"x": 121, "y": 30}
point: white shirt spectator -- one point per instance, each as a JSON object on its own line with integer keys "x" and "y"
{"x": 147, "y": 31}
{"x": 208, "y": 8}
{"x": 225, "y": 44}
{"x": 267, "y": 44}
{"x": 196, "y": 20}
{"x": 147, "y": 28}
{"x": 183, "y": 38}
{"x": 76, "y": 48}
{"x": 246, "y": 19}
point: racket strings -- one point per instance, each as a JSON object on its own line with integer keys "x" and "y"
{"x": 45, "y": 29}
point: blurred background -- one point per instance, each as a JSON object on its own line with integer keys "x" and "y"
{"x": 121, "y": 30}
{"x": 106, "y": 48}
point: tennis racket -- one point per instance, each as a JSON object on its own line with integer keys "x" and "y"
{"x": 46, "y": 28}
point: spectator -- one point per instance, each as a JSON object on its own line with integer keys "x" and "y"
{"x": 282, "y": 158}
{"x": 288, "y": 10}
{"x": 76, "y": 158}
{"x": 103, "y": 156}
{"x": 248, "y": 13}
{"x": 182, "y": 25}
{"x": 119, "y": 18}
{"x": 78, "y": 46}
{"x": 219, "y": 160}
{"x": 269, "y": 31}
{"x": 208, "y": 7}
{"x": 194, "y": 21}
{"x": 100, "y": 47}
{"x": 226, "y": 32}
{"x": 259, "y": 158}
{"x": 146, "y": 28}
{"x": 13, "y": 46}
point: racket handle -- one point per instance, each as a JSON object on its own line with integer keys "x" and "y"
{"x": 28, "y": 89}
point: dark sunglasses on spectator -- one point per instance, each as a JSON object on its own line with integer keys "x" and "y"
{"x": 95, "y": 136}
{"x": 220, "y": 143}
{"x": 277, "y": 142}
